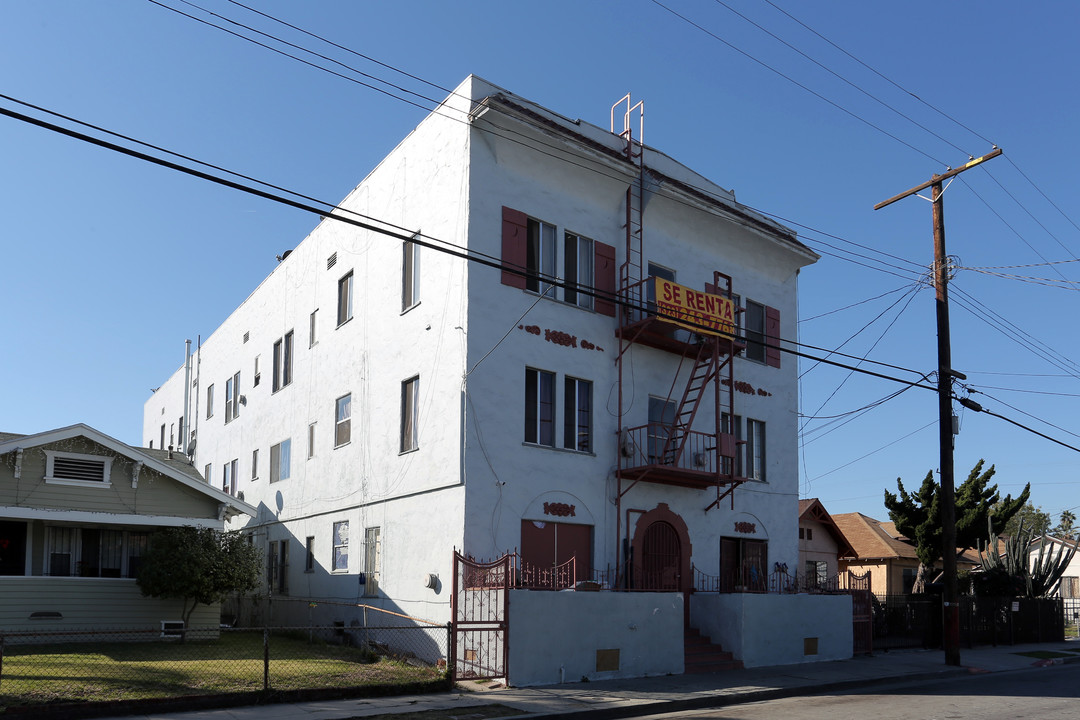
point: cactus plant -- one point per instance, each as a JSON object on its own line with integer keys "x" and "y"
{"x": 1013, "y": 572}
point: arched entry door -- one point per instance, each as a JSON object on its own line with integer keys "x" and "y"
{"x": 661, "y": 554}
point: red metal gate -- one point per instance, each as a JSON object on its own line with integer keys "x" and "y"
{"x": 862, "y": 612}
{"x": 479, "y": 630}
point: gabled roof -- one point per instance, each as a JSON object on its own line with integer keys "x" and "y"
{"x": 871, "y": 540}
{"x": 177, "y": 467}
{"x": 812, "y": 509}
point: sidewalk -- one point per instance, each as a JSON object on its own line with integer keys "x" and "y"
{"x": 640, "y": 696}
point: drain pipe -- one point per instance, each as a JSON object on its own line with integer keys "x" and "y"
{"x": 186, "y": 420}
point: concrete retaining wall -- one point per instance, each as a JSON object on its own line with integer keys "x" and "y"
{"x": 568, "y": 636}
{"x": 766, "y": 630}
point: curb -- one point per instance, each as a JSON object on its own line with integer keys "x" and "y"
{"x": 738, "y": 698}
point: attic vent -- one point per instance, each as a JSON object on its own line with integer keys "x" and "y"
{"x": 76, "y": 468}
{"x": 68, "y": 468}
{"x": 331, "y": 261}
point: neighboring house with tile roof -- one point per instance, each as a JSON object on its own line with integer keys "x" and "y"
{"x": 821, "y": 544}
{"x": 77, "y": 510}
{"x": 889, "y": 556}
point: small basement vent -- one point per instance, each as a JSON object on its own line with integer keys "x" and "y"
{"x": 70, "y": 468}
{"x": 331, "y": 261}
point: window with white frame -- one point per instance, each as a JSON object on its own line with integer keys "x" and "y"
{"x": 410, "y": 390}
{"x": 340, "y": 560}
{"x": 207, "y": 472}
{"x": 548, "y": 259}
{"x": 372, "y": 560}
{"x": 539, "y": 407}
{"x": 255, "y": 464}
{"x": 661, "y": 417}
{"x": 229, "y": 476}
{"x": 232, "y": 398}
{"x": 210, "y": 401}
{"x": 345, "y": 298}
{"x": 755, "y": 450}
{"x": 311, "y": 441}
{"x": 309, "y": 554}
{"x": 64, "y": 468}
{"x": 343, "y": 420}
{"x": 93, "y": 551}
{"x": 283, "y": 361}
{"x": 577, "y": 266}
{"x": 312, "y": 324}
{"x": 577, "y": 414}
{"x": 410, "y": 275}
{"x": 280, "y": 460}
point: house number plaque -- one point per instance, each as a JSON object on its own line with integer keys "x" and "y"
{"x": 746, "y": 527}
{"x": 559, "y": 509}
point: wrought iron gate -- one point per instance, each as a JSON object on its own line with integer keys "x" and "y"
{"x": 862, "y": 613}
{"x": 479, "y": 641}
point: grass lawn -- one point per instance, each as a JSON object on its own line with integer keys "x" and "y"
{"x": 35, "y": 674}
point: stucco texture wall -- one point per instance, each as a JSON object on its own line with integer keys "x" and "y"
{"x": 763, "y": 630}
{"x": 555, "y": 636}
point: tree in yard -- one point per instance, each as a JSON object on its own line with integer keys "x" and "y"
{"x": 1033, "y": 518}
{"x": 198, "y": 565}
{"x": 917, "y": 515}
{"x": 1065, "y": 523}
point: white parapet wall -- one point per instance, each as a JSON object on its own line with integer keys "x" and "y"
{"x": 570, "y": 636}
{"x": 762, "y": 630}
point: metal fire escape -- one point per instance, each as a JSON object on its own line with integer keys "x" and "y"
{"x": 670, "y": 452}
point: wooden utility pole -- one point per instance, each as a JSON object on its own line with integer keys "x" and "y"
{"x": 951, "y": 599}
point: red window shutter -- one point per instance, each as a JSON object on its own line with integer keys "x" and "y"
{"x": 772, "y": 337}
{"x": 514, "y": 244}
{"x": 605, "y": 278}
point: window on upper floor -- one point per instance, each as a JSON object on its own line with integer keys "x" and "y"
{"x": 312, "y": 324}
{"x": 343, "y": 420}
{"x": 232, "y": 398}
{"x": 755, "y": 450}
{"x": 162, "y": 436}
{"x": 410, "y": 390}
{"x": 733, "y": 425}
{"x": 345, "y": 298}
{"x": 208, "y": 471}
{"x": 577, "y": 414}
{"x": 255, "y": 464}
{"x": 257, "y": 375}
{"x": 210, "y": 401}
{"x": 536, "y": 254}
{"x": 541, "y": 411}
{"x": 761, "y": 328}
{"x": 283, "y": 361}
{"x": 410, "y": 275}
{"x": 230, "y": 476}
{"x": 539, "y": 407}
{"x": 311, "y": 441}
{"x": 280, "y": 460}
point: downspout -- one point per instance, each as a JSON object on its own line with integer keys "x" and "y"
{"x": 187, "y": 398}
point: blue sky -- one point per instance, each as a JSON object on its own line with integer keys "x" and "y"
{"x": 109, "y": 263}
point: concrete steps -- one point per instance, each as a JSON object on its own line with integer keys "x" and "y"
{"x": 701, "y": 656}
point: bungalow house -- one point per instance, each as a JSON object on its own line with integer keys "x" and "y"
{"x": 77, "y": 511}
{"x": 1070, "y": 579}
{"x": 821, "y": 545}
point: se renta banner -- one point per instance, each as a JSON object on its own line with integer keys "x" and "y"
{"x": 693, "y": 309}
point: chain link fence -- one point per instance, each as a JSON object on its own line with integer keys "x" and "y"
{"x": 39, "y": 669}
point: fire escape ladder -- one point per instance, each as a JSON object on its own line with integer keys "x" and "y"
{"x": 631, "y": 271}
{"x": 706, "y": 366}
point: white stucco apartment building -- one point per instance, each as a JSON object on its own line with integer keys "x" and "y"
{"x": 382, "y": 402}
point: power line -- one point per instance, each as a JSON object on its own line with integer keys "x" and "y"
{"x": 417, "y": 238}
{"x": 796, "y": 82}
{"x": 854, "y": 304}
{"x": 532, "y": 143}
